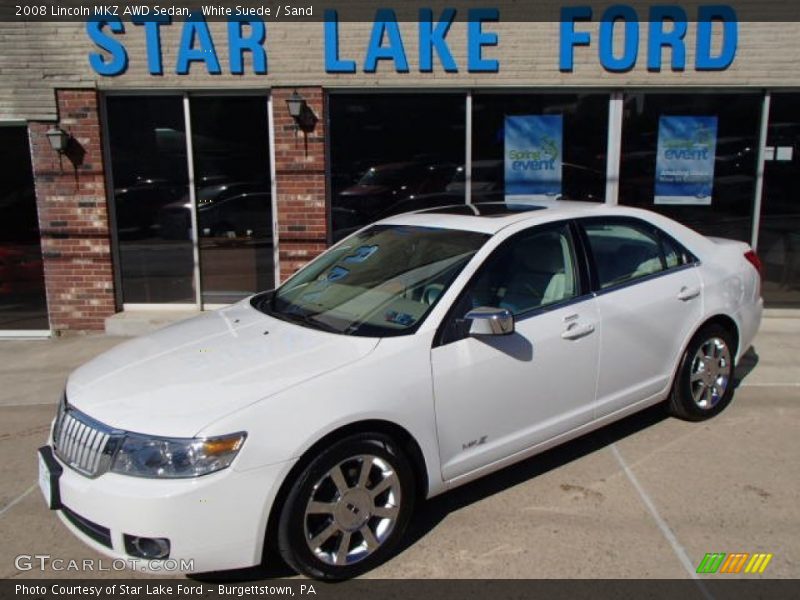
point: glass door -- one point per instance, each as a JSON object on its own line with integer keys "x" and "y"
{"x": 779, "y": 231}
{"x": 23, "y": 304}
{"x": 192, "y": 202}
{"x": 152, "y": 207}
{"x": 230, "y": 148}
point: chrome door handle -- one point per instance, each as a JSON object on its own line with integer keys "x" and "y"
{"x": 687, "y": 294}
{"x": 575, "y": 331}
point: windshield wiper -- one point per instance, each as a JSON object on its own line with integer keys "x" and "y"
{"x": 307, "y": 321}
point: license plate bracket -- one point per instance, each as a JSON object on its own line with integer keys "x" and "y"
{"x": 49, "y": 475}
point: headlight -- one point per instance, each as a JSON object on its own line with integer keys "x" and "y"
{"x": 169, "y": 458}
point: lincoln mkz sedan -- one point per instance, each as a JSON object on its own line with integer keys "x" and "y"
{"x": 418, "y": 354}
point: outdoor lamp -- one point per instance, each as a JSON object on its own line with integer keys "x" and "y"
{"x": 296, "y": 104}
{"x": 58, "y": 139}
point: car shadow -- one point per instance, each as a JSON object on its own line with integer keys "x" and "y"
{"x": 747, "y": 363}
{"x": 430, "y": 513}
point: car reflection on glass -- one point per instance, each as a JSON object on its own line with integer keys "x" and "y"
{"x": 137, "y": 205}
{"x": 225, "y": 210}
{"x": 21, "y": 269}
{"x": 391, "y": 182}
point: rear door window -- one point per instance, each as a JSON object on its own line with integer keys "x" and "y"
{"x": 623, "y": 251}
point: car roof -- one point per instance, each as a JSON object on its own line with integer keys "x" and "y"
{"x": 491, "y": 217}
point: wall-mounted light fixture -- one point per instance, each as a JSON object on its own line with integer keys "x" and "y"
{"x": 297, "y": 106}
{"x": 304, "y": 118}
{"x": 58, "y": 139}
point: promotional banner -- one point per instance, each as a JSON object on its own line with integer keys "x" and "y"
{"x": 533, "y": 155}
{"x": 687, "y": 148}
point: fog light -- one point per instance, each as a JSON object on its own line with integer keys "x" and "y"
{"x": 143, "y": 547}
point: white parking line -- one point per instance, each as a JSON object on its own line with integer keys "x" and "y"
{"x": 677, "y": 548}
{"x": 16, "y": 500}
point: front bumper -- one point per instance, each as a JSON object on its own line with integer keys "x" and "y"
{"x": 215, "y": 522}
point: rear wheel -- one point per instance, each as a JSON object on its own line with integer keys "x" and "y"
{"x": 348, "y": 508}
{"x": 704, "y": 383}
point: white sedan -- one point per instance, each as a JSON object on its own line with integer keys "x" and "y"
{"x": 418, "y": 354}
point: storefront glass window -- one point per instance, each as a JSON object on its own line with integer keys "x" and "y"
{"x": 692, "y": 157}
{"x": 392, "y": 153}
{"x": 779, "y": 235}
{"x": 544, "y": 145}
{"x": 230, "y": 144}
{"x": 22, "y": 296}
{"x": 148, "y": 163}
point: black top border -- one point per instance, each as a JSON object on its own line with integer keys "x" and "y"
{"x": 368, "y": 10}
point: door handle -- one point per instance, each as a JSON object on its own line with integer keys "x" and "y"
{"x": 575, "y": 331}
{"x": 687, "y": 294}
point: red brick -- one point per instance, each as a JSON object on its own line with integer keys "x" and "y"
{"x": 300, "y": 169}
{"x": 75, "y": 238}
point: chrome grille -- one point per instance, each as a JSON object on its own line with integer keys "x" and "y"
{"x": 82, "y": 443}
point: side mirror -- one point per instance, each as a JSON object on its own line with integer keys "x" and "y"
{"x": 488, "y": 320}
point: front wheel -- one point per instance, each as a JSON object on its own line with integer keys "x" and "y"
{"x": 704, "y": 382}
{"x": 348, "y": 508}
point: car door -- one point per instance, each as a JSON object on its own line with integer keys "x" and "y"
{"x": 650, "y": 299}
{"x": 496, "y": 396}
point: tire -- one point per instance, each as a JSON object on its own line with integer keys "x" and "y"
{"x": 704, "y": 381}
{"x": 342, "y": 508}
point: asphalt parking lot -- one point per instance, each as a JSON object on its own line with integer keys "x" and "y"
{"x": 644, "y": 498}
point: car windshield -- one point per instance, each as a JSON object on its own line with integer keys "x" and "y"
{"x": 380, "y": 282}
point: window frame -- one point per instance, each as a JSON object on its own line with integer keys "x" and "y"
{"x": 660, "y": 236}
{"x": 583, "y": 282}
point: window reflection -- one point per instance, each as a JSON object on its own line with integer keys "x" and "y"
{"x": 581, "y": 138}
{"x": 779, "y": 235}
{"x": 148, "y": 165}
{"x": 730, "y": 211}
{"x": 153, "y": 207}
{"x": 392, "y": 153}
{"x": 230, "y": 139}
{"x": 22, "y": 292}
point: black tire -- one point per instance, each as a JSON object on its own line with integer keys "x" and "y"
{"x": 354, "y": 509}
{"x": 682, "y": 402}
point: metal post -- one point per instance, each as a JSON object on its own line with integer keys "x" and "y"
{"x": 614, "y": 151}
{"x": 762, "y": 150}
{"x": 273, "y": 192}
{"x": 187, "y": 120}
{"x": 468, "y": 153}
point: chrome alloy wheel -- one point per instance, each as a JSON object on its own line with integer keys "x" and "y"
{"x": 352, "y": 510}
{"x": 710, "y": 373}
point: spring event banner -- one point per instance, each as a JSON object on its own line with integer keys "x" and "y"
{"x": 687, "y": 148}
{"x": 533, "y": 155}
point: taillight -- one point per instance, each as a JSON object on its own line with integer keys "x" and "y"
{"x": 753, "y": 259}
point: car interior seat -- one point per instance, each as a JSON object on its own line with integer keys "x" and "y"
{"x": 538, "y": 276}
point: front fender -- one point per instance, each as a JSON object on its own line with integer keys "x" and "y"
{"x": 393, "y": 383}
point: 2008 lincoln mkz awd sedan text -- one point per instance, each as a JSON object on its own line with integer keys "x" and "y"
{"x": 419, "y": 353}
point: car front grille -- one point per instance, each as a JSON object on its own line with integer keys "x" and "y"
{"x": 83, "y": 443}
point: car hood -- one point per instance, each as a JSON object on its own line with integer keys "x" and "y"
{"x": 176, "y": 381}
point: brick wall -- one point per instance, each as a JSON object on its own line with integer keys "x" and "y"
{"x": 73, "y": 217}
{"x": 300, "y": 170}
